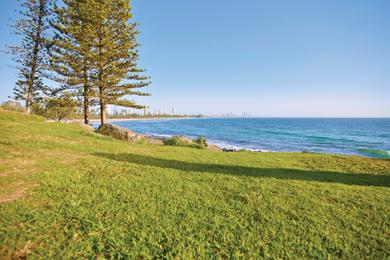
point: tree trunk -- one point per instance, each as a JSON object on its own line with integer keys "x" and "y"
{"x": 86, "y": 96}
{"x": 102, "y": 113}
{"x": 34, "y": 64}
{"x": 86, "y": 105}
{"x": 29, "y": 100}
{"x": 101, "y": 83}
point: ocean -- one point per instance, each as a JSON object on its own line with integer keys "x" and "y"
{"x": 368, "y": 137}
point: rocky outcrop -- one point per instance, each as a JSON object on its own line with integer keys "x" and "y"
{"x": 117, "y": 132}
{"x": 131, "y": 136}
{"x": 126, "y": 134}
{"x": 214, "y": 148}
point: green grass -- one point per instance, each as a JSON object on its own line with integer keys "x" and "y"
{"x": 70, "y": 193}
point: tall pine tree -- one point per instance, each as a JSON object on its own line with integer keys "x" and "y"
{"x": 70, "y": 50}
{"x": 30, "y": 54}
{"x": 115, "y": 54}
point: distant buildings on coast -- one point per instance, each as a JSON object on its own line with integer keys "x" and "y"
{"x": 148, "y": 112}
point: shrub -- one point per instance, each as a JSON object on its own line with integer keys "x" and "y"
{"x": 57, "y": 108}
{"x": 178, "y": 141}
{"x": 202, "y": 141}
{"x": 199, "y": 143}
{"x": 39, "y": 109}
{"x": 12, "y": 106}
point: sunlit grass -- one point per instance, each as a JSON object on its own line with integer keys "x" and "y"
{"x": 87, "y": 195}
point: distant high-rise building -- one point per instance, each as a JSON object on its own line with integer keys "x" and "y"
{"x": 173, "y": 111}
{"x": 146, "y": 110}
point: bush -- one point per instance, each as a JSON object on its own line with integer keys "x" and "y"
{"x": 39, "y": 109}
{"x": 12, "y": 106}
{"x": 199, "y": 143}
{"x": 57, "y": 108}
{"x": 178, "y": 141}
{"x": 202, "y": 141}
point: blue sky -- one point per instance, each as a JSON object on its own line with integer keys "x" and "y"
{"x": 267, "y": 58}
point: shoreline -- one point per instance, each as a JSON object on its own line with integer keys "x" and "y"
{"x": 225, "y": 147}
{"x": 210, "y": 142}
{"x": 232, "y": 147}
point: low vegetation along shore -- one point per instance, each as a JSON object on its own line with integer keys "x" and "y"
{"x": 67, "y": 191}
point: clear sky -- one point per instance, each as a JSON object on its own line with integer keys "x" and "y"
{"x": 267, "y": 58}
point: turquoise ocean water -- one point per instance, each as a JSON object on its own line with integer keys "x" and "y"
{"x": 365, "y": 137}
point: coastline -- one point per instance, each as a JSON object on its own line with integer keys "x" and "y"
{"x": 267, "y": 135}
{"x": 231, "y": 146}
{"x": 225, "y": 147}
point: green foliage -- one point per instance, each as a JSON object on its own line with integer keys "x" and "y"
{"x": 29, "y": 55}
{"x": 23, "y": 91}
{"x": 89, "y": 196}
{"x": 142, "y": 140}
{"x": 12, "y": 106}
{"x": 116, "y": 54}
{"x": 70, "y": 51}
{"x": 182, "y": 141}
{"x": 39, "y": 109}
{"x": 57, "y": 108}
{"x": 94, "y": 52}
{"x": 201, "y": 140}
{"x": 177, "y": 141}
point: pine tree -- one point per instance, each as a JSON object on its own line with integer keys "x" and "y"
{"x": 115, "y": 54}
{"x": 30, "y": 54}
{"x": 70, "y": 50}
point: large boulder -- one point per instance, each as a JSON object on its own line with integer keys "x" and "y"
{"x": 118, "y": 132}
{"x": 126, "y": 134}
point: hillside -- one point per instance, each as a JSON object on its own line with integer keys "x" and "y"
{"x": 66, "y": 191}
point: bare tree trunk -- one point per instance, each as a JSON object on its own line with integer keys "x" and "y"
{"x": 29, "y": 100}
{"x": 102, "y": 112}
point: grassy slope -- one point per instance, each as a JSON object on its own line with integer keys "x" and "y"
{"x": 83, "y": 195}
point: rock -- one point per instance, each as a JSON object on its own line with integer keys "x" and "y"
{"x": 117, "y": 132}
{"x": 215, "y": 148}
{"x": 152, "y": 140}
{"x": 229, "y": 150}
{"x": 126, "y": 134}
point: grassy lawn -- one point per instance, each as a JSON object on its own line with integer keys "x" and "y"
{"x": 68, "y": 192}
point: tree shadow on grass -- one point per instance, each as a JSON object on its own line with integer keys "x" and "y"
{"x": 278, "y": 173}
